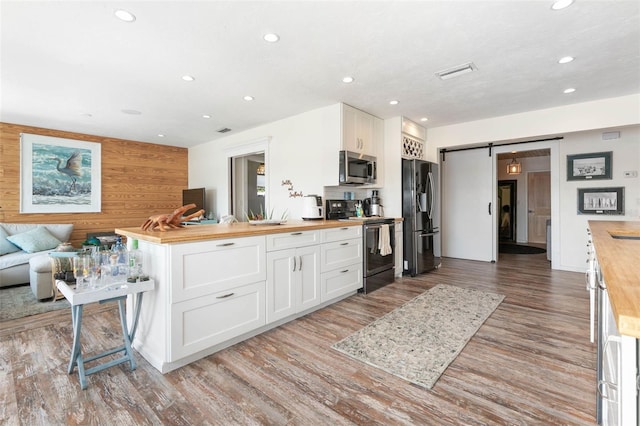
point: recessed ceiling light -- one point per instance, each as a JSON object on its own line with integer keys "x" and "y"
{"x": 160, "y": 135}
{"x": 206, "y": 116}
{"x": 561, "y": 4}
{"x": 188, "y": 78}
{"x": 347, "y": 79}
{"x": 131, "y": 112}
{"x": 394, "y": 102}
{"x": 569, "y": 90}
{"x": 565, "y": 59}
{"x": 423, "y": 119}
{"x": 248, "y": 98}
{"x": 125, "y": 16}
{"x": 271, "y": 37}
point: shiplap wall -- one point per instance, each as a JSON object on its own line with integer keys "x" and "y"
{"x": 138, "y": 180}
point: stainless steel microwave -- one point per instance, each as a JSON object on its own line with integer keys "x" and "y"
{"x": 357, "y": 169}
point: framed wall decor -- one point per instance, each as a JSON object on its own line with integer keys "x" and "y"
{"x": 601, "y": 200}
{"x": 596, "y": 165}
{"x": 59, "y": 175}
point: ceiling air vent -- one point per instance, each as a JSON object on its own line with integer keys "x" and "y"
{"x": 224, "y": 130}
{"x": 456, "y": 71}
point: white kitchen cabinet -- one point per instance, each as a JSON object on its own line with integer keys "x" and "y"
{"x": 198, "y": 324}
{"x": 205, "y": 267}
{"x": 340, "y": 234}
{"x": 293, "y": 273}
{"x": 340, "y": 254}
{"x": 358, "y": 131}
{"x": 339, "y": 282}
{"x": 341, "y": 262}
{"x": 617, "y": 369}
{"x": 217, "y": 292}
{"x": 213, "y": 293}
{"x": 362, "y": 133}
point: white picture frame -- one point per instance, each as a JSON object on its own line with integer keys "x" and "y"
{"x": 59, "y": 175}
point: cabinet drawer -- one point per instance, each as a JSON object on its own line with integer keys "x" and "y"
{"x": 202, "y": 268}
{"x": 342, "y": 233}
{"x": 288, "y": 240}
{"x": 340, "y": 254}
{"x": 340, "y": 282}
{"x": 204, "y": 322}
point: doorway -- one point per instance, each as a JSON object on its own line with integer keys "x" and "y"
{"x": 507, "y": 190}
{"x": 248, "y": 185}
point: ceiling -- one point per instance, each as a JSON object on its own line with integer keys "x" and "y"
{"x": 72, "y": 65}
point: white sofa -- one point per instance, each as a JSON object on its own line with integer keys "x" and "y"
{"x": 21, "y": 267}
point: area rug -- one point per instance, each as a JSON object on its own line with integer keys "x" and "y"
{"x": 419, "y": 340}
{"x": 19, "y": 301}
{"x": 519, "y": 249}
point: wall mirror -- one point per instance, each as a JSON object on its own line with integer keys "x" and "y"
{"x": 507, "y": 190}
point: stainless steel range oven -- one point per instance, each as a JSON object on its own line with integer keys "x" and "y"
{"x": 378, "y": 263}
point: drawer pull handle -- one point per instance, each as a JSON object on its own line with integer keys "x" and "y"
{"x": 346, "y": 270}
{"x": 296, "y": 233}
{"x": 344, "y": 244}
{"x": 225, "y": 244}
{"x": 345, "y": 228}
{"x": 225, "y": 296}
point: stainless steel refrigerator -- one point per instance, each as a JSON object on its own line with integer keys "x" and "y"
{"x": 421, "y": 214}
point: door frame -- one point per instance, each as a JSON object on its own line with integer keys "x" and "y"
{"x": 554, "y": 171}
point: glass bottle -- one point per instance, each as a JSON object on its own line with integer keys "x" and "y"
{"x": 135, "y": 262}
{"x": 119, "y": 261}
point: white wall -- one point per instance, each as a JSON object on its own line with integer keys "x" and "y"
{"x": 581, "y": 125}
{"x": 626, "y": 157}
{"x": 303, "y": 149}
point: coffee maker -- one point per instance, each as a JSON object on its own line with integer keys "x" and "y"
{"x": 376, "y": 204}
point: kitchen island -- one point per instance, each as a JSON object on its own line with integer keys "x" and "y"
{"x": 217, "y": 285}
{"x": 614, "y": 277}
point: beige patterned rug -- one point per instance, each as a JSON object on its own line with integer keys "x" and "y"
{"x": 419, "y": 340}
{"x": 19, "y": 301}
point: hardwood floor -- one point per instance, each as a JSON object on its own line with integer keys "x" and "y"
{"x": 530, "y": 363}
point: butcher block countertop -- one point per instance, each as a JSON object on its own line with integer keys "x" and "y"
{"x": 232, "y": 230}
{"x": 617, "y": 245}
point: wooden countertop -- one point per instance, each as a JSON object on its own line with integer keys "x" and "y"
{"x": 232, "y": 230}
{"x": 619, "y": 260}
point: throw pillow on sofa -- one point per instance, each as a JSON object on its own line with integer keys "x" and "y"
{"x": 6, "y": 247}
{"x": 38, "y": 239}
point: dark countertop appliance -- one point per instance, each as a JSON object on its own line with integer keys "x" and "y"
{"x": 421, "y": 213}
{"x": 378, "y": 265}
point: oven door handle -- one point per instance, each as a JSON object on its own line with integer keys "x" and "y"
{"x": 430, "y": 234}
{"x": 378, "y": 226}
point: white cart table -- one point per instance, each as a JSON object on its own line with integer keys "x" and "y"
{"x": 117, "y": 292}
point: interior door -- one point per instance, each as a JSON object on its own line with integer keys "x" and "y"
{"x": 468, "y": 225}
{"x": 538, "y": 206}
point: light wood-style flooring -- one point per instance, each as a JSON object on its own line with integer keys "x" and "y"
{"x": 531, "y": 363}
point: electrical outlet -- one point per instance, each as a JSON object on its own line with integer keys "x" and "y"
{"x": 631, "y": 174}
